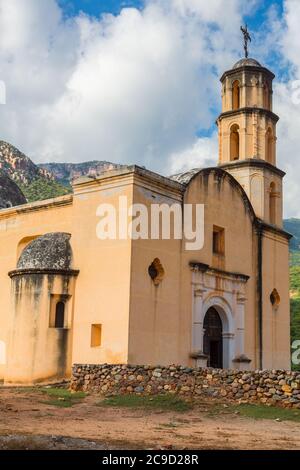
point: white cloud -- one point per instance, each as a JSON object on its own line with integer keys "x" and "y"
{"x": 201, "y": 154}
{"x": 290, "y": 38}
{"x": 135, "y": 87}
{"x": 130, "y": 88}
{"x": 286, "y": 107}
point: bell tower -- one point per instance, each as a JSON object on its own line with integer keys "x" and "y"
{"x": 247, "y": 137}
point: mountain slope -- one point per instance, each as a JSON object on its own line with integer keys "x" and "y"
{"x": 10, "y": 193}
{"x": 293, "y": 226}
{"x": 295, "y": 295}
{"x": 18, "y": 166}
{"x": 66, "y": 172}
{"x": 47, "y": 180}
{"x": 36, "y": 183}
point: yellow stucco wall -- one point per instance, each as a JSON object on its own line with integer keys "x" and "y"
{"x": 36, "y": 351}
{"x": 141, "y": 322}
{"x": 103, "y": 285}
{"x": 17, "y": 224}
{"x": 156, "y": 323}
{"x": 276, "y": 320}
{"x": 160, "y": 317}
{"x": 224, "y": 207}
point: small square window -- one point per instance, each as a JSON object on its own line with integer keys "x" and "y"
{"x": 96, "y": 333}
{"x": 218, "y": 241}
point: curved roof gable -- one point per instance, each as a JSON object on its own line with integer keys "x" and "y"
{"x": 221, "y": 175}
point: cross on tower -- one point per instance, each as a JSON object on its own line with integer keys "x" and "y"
{"x": 247, "y": 38}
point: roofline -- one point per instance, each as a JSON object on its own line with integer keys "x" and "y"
{"x": 37, "y": 205}
{"x": 258, "y": 223}
{"x": 247, "y": 68}
{"x": 126, "y": 171}
{"x": 272, "y": 228}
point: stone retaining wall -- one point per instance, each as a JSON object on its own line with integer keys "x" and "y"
{"x": 276, "y": 387}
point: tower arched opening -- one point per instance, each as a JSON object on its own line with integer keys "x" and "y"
{"x": 236, "y": 95}
{"x": 234, "y": 142}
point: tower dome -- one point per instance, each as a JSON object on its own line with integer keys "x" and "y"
{"x": 246, "y": 62}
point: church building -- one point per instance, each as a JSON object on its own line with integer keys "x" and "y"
{"x": 69, "y": 297}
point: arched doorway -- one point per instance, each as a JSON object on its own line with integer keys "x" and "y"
{"x": 213, "y": 338}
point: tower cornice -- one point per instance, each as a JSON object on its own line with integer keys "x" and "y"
{"x": 247, "y": 68}
{"x": 250, "y": 110}
{"x": 253, "y": 163}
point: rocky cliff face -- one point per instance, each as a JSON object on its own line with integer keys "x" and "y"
{"x": 66, "y": 172}
{"x": 19, "y": 167}
{"x": 10, "y": 193}
{"x": 46, "y": 180}
{"x": 36, "y": 183}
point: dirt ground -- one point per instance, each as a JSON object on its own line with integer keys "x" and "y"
{"x": 28, "y": 422}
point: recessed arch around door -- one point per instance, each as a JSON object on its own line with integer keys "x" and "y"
{"x": 218, "y": 316}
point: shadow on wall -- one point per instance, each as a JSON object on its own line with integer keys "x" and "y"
{"x": 2, "y": 353}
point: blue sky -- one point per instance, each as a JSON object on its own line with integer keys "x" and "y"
{"x": 97, "y": 7}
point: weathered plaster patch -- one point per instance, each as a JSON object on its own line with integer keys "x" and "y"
{"x": 155, "y": 197}
{"x": 111, "y": 192}
{"x": 62, "y": 347}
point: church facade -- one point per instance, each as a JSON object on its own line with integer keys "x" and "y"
{"x": 68, "y": 297}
